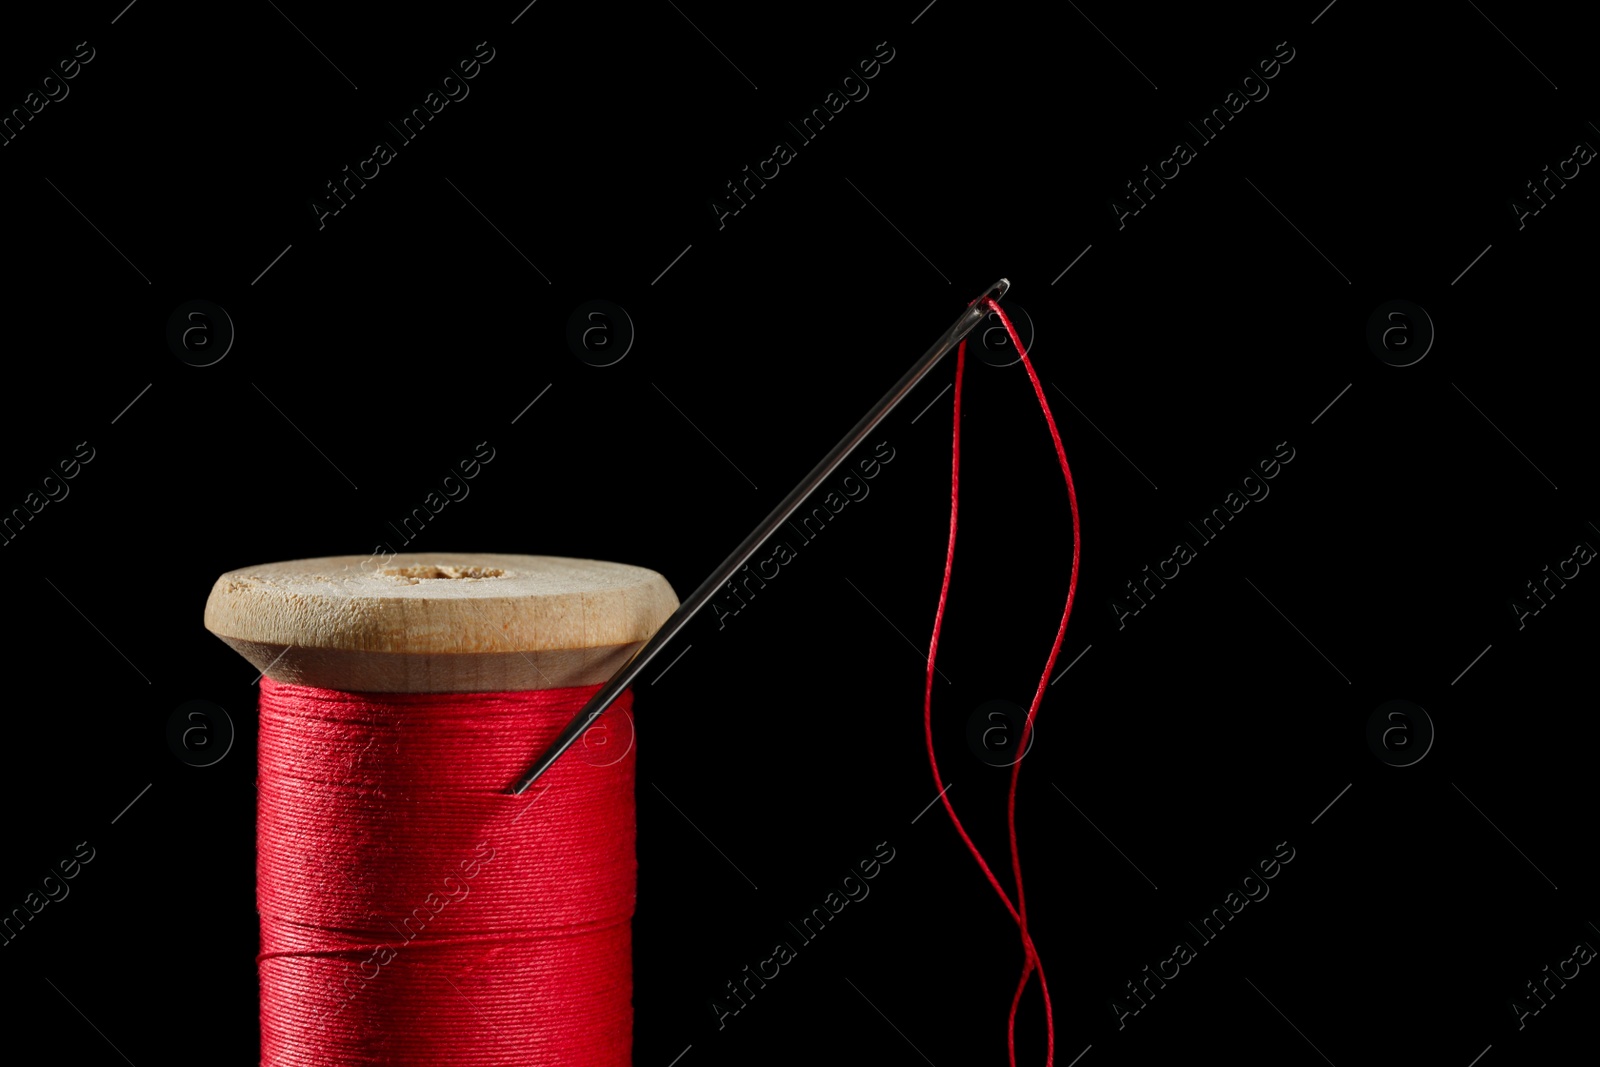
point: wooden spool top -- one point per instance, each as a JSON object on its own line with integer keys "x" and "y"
{"x": 439, "y": 622}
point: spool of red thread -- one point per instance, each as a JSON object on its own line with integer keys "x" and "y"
{"x": 413, "y": 912}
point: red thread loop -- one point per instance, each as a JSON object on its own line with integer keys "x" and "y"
{"x": 1019, "y": 910}
{"x": 415, "y": 913}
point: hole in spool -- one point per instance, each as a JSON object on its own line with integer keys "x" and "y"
{"x": 431, "y": 571}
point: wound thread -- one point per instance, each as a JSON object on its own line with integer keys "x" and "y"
{"x": 415, "y": 913}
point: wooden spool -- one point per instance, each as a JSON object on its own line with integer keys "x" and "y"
{"x": 439, "y": 622}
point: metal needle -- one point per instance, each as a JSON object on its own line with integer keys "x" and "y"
{"x": 974, "y": 314}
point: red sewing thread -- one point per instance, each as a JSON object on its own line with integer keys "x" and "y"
{"x": 415, "y": 913}
{"x": 1019, "y": 910}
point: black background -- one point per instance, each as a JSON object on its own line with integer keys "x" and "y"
{"x": 1218, "y": 722}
